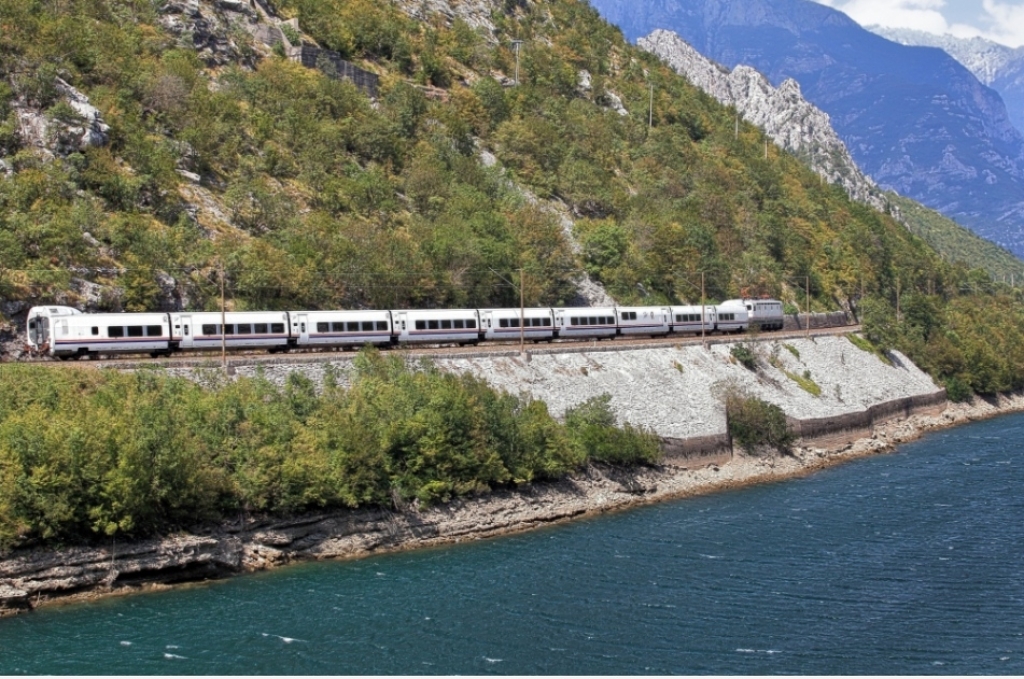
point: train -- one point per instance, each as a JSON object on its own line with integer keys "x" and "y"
{"x": 67, "y": 333}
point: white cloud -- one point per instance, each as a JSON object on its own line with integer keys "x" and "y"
{"x": 1001, "y": 21}
{"x": 922, "y": 15}
{"x": 1006, "y": 22}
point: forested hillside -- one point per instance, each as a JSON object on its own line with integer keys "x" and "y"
{"x": 213, "y": 149}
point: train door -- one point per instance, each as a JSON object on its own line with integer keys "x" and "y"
{"x": 300, "y": 328}
{"x": 183, "y": 331}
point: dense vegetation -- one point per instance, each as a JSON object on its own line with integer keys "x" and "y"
{"x": 331, "y": 201}
{"x": 958, "y": 244}
{"x": 313, "y": 196}
{"x": 88, "y": 453}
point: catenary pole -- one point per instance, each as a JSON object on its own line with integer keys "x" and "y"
{"x": 522, "y": 314}
{"x": 223, "y": 319}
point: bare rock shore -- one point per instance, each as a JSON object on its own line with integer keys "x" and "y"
{"x": 31, "y": 578}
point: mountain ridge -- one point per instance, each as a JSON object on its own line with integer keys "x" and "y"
{"x": 952, "y": 146}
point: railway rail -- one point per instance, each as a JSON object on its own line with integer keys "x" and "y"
{"x": 237, "y": 359}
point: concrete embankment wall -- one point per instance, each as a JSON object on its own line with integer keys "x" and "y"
{"x": 837, "y": 430}
{"x": 819, "y": 432}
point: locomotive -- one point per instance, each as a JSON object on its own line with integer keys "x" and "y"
{"x": 68, "y": 333}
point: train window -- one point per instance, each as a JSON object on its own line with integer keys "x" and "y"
{"x": 245, "y": 328}
{"x": 115, "y": 331}
{"x": 368, "y": 326}
{"x": 382, "y": 325}
{"x": 574, "y": 321}
{"x": 210, "y": 329}
{"x": 446, "y": 325}
{"x": 503, "y": 323}
{"x": 261, "y": 329}
{"x": 593, "y": 321}
{"x": 471, "y": 323}
{"x": 95, "y": 330}
{"x": 323, "y": 327}
{"x": 433, "y": 325}
{"x": 352, "y": 326}
{"x": 154, "y": 331}
{"x": 135, "y": 331}
{"x": 403, "y": 325}
{"x": 459, "y": 324}
{"x": 186, "y": 331}
{"x": 230, "y": 329}
{"x": 421, "y": 325}
{"x": 277, "y": 327}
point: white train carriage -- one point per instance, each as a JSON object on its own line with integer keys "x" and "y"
{"x": 503, "y": 324}
{"x": 643, "y": 320}
{"x": 595, "y": 322}
{"x": 341, "y": 328}
{"x": 731, "y": 316}
{"x": 77, "y": 335}
{"x": 39, "y": 324}
{"x": 765, "y": 314}
{"x": 440, "y": 326}
{"x": 201, "y": 331}
{"x": 689, "y": 318}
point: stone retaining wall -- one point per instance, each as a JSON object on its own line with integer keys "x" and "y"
{"x": 842, "y": 429}
{"x": 834, "y": 319}
{"x": 698, "y": 451}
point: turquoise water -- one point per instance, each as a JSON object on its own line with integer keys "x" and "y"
{"x": 897, "y": 564}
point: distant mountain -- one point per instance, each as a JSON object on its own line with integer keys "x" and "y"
{"x": 806, "y": 131}
{"x": 998, "y": 66}
{"x": 914, "y": 119}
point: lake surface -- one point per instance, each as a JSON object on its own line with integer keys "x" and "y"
{"x": 909, "y": 563}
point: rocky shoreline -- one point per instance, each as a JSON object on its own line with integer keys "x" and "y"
{"x": 32, "y": 578}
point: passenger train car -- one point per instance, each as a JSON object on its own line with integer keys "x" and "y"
{"x": 65, "y": 332}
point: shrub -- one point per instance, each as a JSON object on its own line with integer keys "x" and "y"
{"x": 757, "y": 426}
{"x": 591, "y": 426}
{"x": 743, "y": 354}
{"x": 958, "y": 390}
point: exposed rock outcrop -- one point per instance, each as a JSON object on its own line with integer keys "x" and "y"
{"x": 61, "y": 133}
{"x": 206, "y": 27}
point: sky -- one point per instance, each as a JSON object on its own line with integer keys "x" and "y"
{"x": 998, "y": 20}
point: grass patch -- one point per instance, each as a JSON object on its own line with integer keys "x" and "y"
{"x": 793, "y": 350}
{"x": 865, "y": 345}
{"x": 804, "y": 382}
{"x": 743, "y": 354}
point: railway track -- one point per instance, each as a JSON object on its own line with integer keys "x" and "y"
{"x": 240, "y": 359}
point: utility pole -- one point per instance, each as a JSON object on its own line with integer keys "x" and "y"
{"x": 522, "y": 314}
{"x": 650, "y": 114}
{"x": 736, "y": 132}
{"x": 703, "y": 338}
{"x": 223, "y": 318}
{"x": 807, "y": 291}
{"x": 897, "y": 300}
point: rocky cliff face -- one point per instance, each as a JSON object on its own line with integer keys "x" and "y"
{"x": 787, "y": 118}
{"x": 998, "y": 66}
{"x": 915, "y": 120}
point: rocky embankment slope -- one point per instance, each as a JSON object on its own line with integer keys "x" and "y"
{"x": 672, "y": 391}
